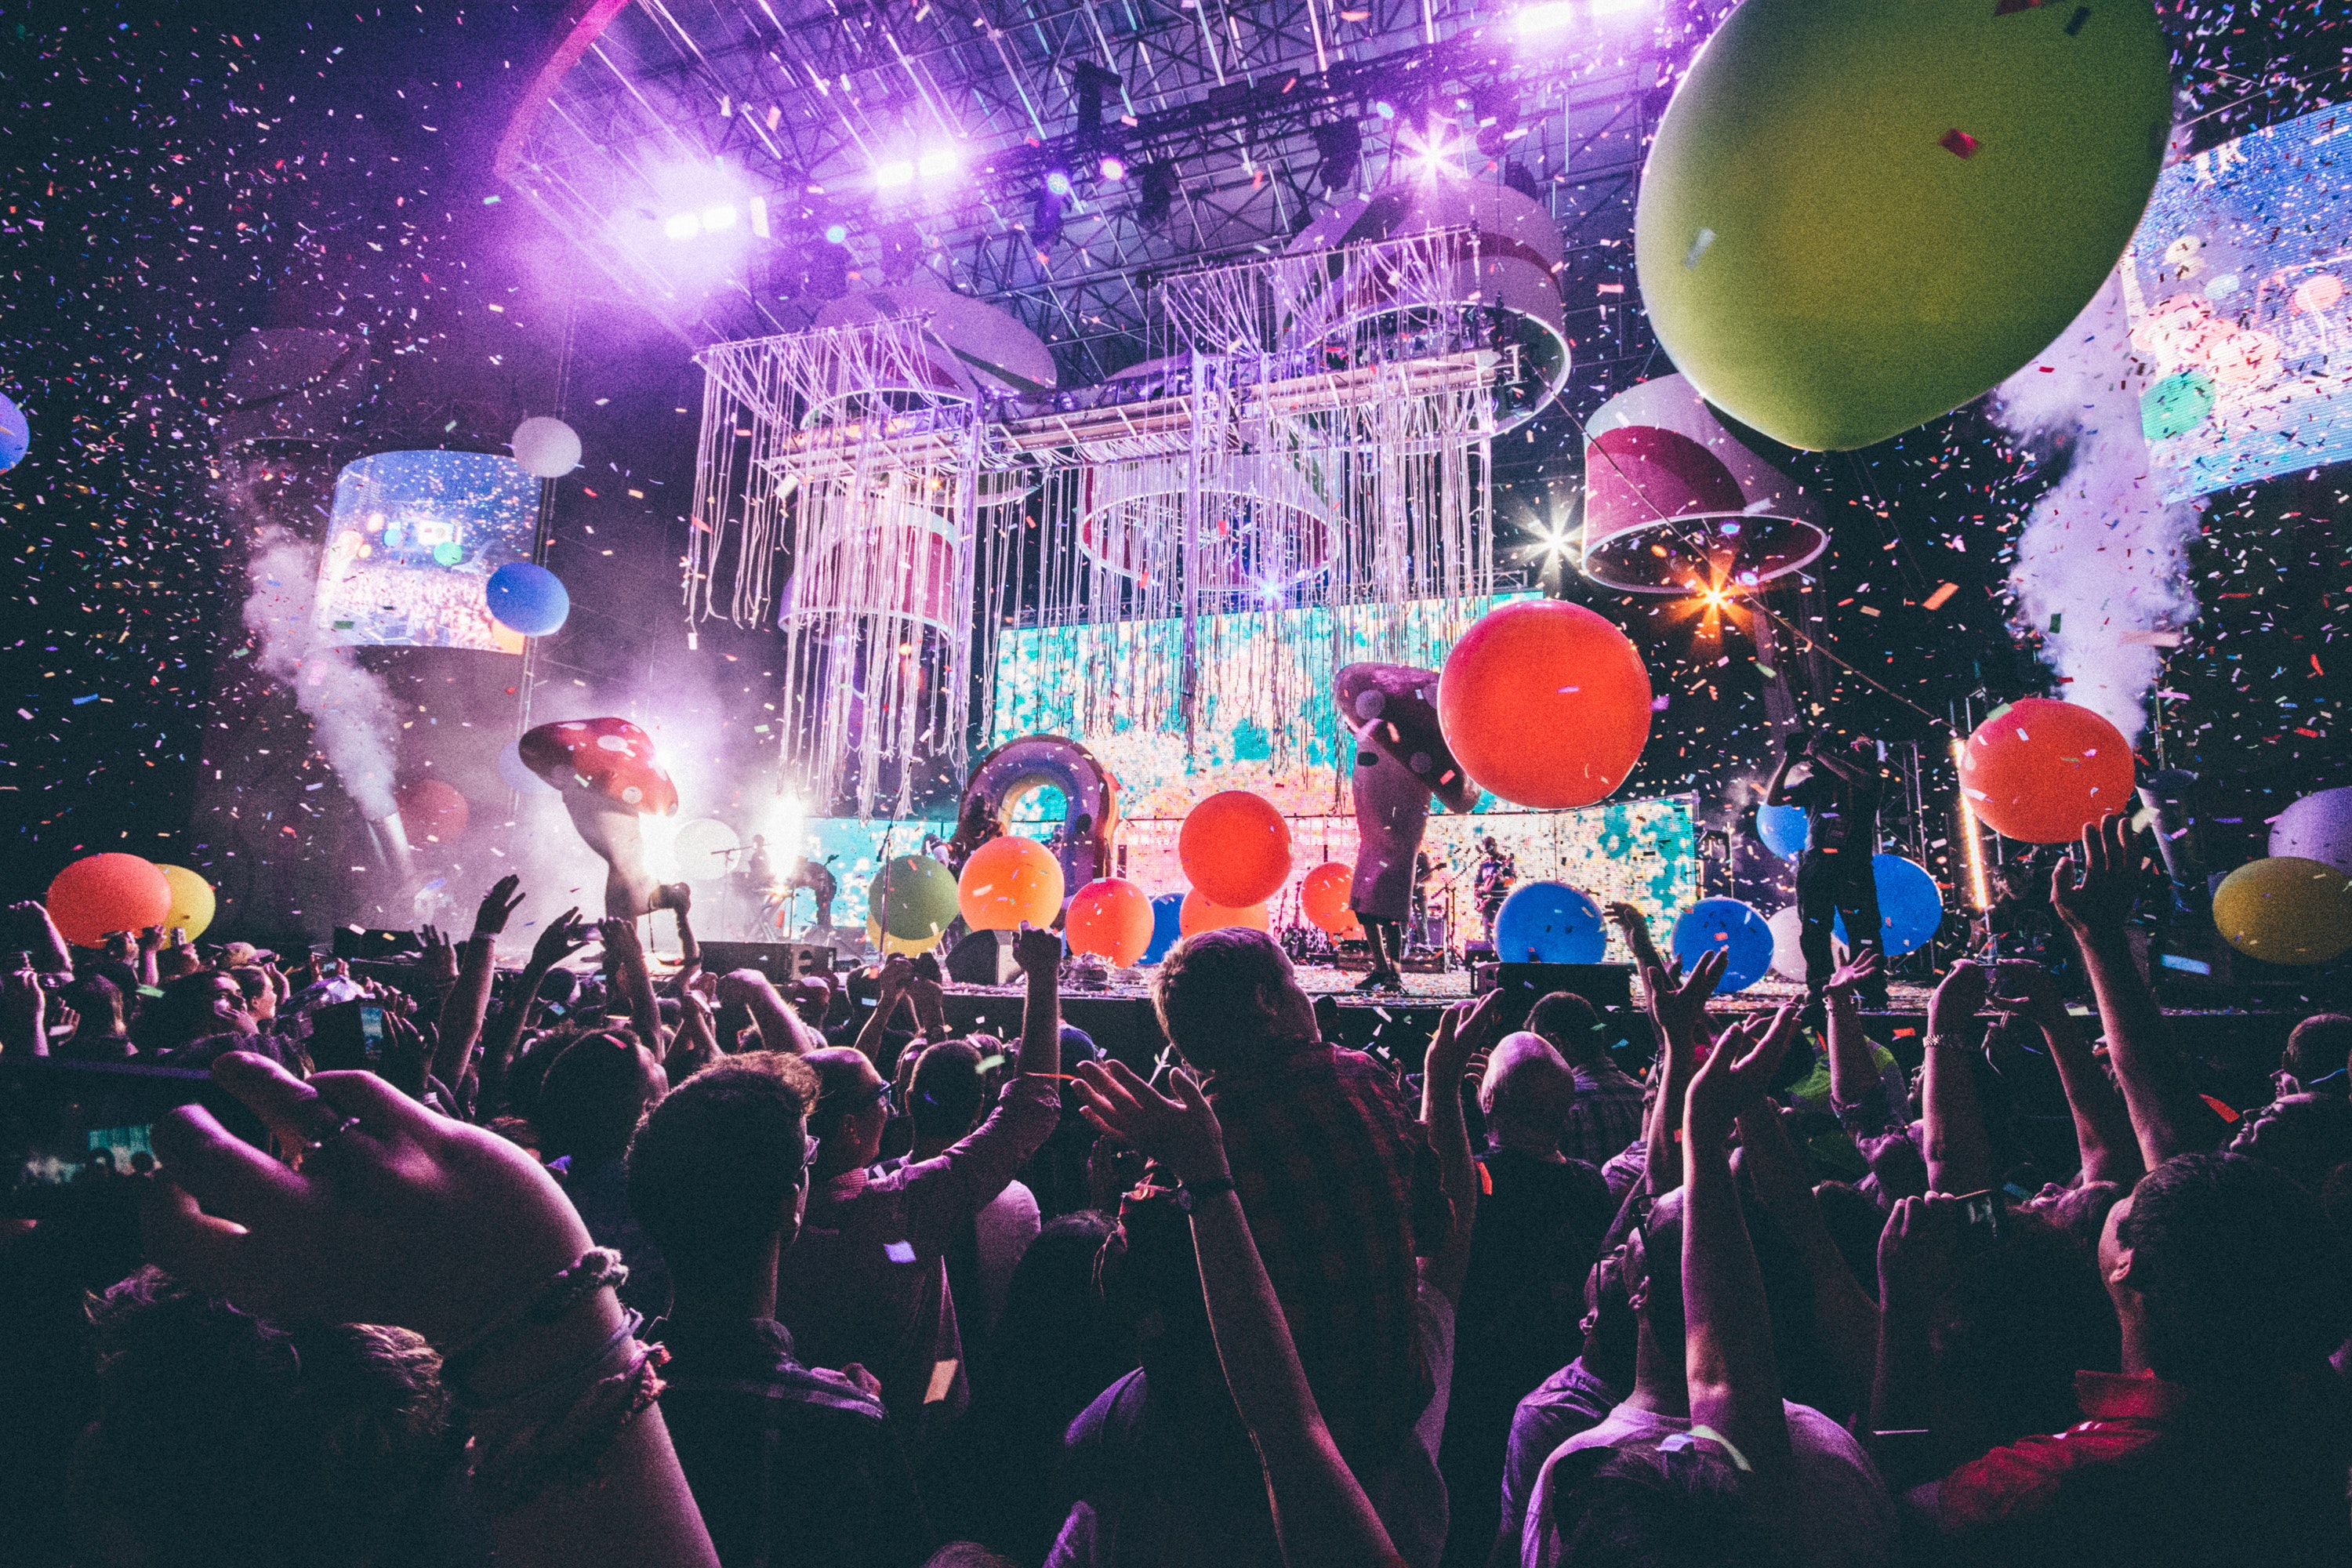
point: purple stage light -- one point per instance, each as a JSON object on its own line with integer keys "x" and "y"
{"x": 1113, "y": 169}
{"x": 938, "y": 161}
{"x": 892, "y": 174}
{"x": 682, "y": 225}
{"x": 716, "y": 218}
{"x": 836, "y": 233}
{"x": 1057, "y": 184}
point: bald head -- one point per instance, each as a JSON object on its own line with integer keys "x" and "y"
{"x": 1526, "y": 1093}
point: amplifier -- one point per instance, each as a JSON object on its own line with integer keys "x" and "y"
{"x": 779, "y": 960}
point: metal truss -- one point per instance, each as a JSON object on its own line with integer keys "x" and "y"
{"x": 800, "y": 102}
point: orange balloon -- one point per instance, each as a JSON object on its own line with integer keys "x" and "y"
{"x": 1199, "y": 914}
{"x": 1009, "y": 880}
{"x": 1235, "y": 847}
{"x": 99, "y": 893}
{"x": 1545, "y": 703}
{"x": 1323, "y": 898}
{"x": 431, "y": 810}
{"x": 1111, "y": 917}
{"x": 2042, "y": 771}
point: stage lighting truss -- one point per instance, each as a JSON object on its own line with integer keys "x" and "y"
{"x": 1316, "y": 438}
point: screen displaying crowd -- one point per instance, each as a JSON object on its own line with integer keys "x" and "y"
{"x": 592, "y": 1260}
{"x": 411, "y": 545}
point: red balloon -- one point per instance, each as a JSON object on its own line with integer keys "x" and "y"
{"x": 1009, "y": 880}
{"x": 1545, "y": 703}
{"x": 1198, "y": 914}
{"x": 1235, "y": 848}
{"x": 1323, "y": 898}
{"x": 2042, "y": 771}
{"x": 431, "y": 810}
{"x": 101, "y": 893}
{"x": 1111, "y": 917}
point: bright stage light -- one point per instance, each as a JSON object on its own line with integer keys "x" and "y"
{"x": 938, "y": 162}
{"x": 1554, "y": 15}
{"x": 1113, "y": 169}
{"x": 1057, "y": 184}
{"x": 1384, "y": 108}
{"x": 892, "y": 174}
{"x": 836, "y": 233}
{"x": 715, "y": 218}
{"x": 682, "y": 225}
{"x": 760, "y": 217}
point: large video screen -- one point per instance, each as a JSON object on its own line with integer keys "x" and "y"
{"x": 2239, "y": 285}
{"x": 411, "y": 546}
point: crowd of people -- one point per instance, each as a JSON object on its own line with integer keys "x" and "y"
{"x": 581, "y": 1268}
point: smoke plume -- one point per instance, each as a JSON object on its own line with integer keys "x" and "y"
{"x": 2101, "y": 569}
{"x": 351, "y": 710}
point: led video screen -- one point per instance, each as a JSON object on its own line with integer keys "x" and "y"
{"x": 412, "y": 543}
{"x": 2239, "y": 284}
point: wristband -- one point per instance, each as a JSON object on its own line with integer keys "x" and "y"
{"x": 1191, "y": 1195}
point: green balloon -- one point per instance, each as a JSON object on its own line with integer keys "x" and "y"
{"x": 916, "y": 896}
{"x": 1859, "y": 214}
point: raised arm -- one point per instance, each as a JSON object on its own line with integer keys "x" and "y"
{"x": 1843, "y": 1317}
{"x": 1636, "y": 931}
{"x": 891, "y": 986}
{"x": 1679, "y": 1012}
{"x": 781, "y": 1029}
{"x": 1039, "y": 954}
{"x": 2092, "y": 890}
{"x": 1959, "y": 1153}
{"x": 42, "y": 939}
{"x": 2102, "y": 1127}
{"x": 1461, "y": 1032}
{"x": 466, "y": 1002}
{"x": 636, "y": 982}
{"x": 1915, "y": 1265}
{"x": 1735, "y": 1384}
{"x": 1792, "y": 746}
{"x": 24, "y": 1013}
{"x": 1321, "y": 1516}
{"x": 562, "y": 937}
{"x": 1853, "y": 1076}
{"x": 689, "y": 951}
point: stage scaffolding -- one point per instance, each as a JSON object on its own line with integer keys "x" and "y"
{"x": 1309, "y": 431}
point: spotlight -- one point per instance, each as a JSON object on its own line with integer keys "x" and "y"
{"x": 1113, "y": 170}
{"x": 1384, "y": 108}
{"x": 1339, "y": 147}
{"x": 938, "y": 162}
{"x": 683, "y": 225}
{"x": 1057, "y": 185}
{"x": 760, "y": 217}
{"x": 836, "y": 233}
{"x": 893, "y": 174}
{"x": 717, "y": 217}
{"x": 1158, "y": 185}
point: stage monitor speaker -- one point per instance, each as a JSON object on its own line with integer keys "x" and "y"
{"x": 1602, "y": 985}
{"x": 984, "y": 958}
{"x": 351, "y": 942}
{"x": 779, "y": 960}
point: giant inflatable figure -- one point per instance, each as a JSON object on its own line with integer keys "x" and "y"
{"x": 608, "y": 776}
{"x": 1018, "y": 768}
{"x": 1400, "y": 761}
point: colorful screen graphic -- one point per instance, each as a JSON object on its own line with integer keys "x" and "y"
{"x": 412, "y": 543}
{"x": 2239, "y": 284}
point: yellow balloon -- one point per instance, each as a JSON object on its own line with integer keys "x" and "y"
{"x": 910, "y": 945}
{"x": 2286, "y": 910}
{"x": 192, "y": 900}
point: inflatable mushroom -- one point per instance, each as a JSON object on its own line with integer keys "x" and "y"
{"x": 1400, "y": 761}
{"x": 606, "y": 773}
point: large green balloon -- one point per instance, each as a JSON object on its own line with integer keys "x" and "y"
{"x": 1861, "y": 214}
{"x": 916, "y": 896}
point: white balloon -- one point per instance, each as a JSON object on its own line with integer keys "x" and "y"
{"x": 2317, "y": 828}
{"x": 703, "y": 849}
{"x": 547, "y": 448}
{"x": 1788, "y": 958}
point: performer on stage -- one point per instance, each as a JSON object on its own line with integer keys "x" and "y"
{"x": 1840, "y": 792}
{"x": 819, "y": 880}
{"x": 1401, "y": 760}
{"x": 1497, "y": 874}
{"x": 606, "y": 773}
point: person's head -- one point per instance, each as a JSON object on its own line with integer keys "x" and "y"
{"x": 718, "y": 1170}
{"x": 968, "y": 1554}
{"x": 1649, "y": 1506}
{"x": 1228, "y": 999}
{"x": 593, "y": 1096}
{"x": 224, "y": 1437}
{"x": 2019, "y": 1319}
{"x": 1491, "y": 846}
{"x": 944, "y": 1097}
{"x": 811, "y": 998}
{"x": 2080, "y": 1210}
{"x": 97, "y": 1002}
{"x": 260, "y": 1000}
{"x": 1571, "y": 1024}
{"x": 1526, "y": 1093}
{"x": 851, "y": 1109}
{"x": 2225, "y": 1274}
{"x": 1611, "y": 1330}
{"x": 1652, "y": 1269}
{"x": 2306, "y": 1135}
{"x": 2319, "y": 1047}
{"x": 193, "y": 1006}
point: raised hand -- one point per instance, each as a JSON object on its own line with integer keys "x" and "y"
{"x": 498, "y": 905}
{"x": 439, "y": 957}
{"x": 1678, "y": 1003}
{"x": 1038, "y": 952}
{"x": 563, "y": 937}
{"x": 1960, "y": 998}
{"x": 24, "y": 1008}
{"x": 1624, "y": 917}
{"x": 2094, "y": 887}
{"x": 2028, "y": 992}
{"x": 1858, "y": 969}
{"x": 1179, "y": 1132}
{"x": 620, "y": 939}
{"x": 1916, "y": 1251}
{"x": 1460, "y": 1032}
{"x": 1735, "y": 1075}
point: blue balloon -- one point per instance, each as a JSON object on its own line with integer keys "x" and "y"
{"x": 1550, "y": 923}
{"x": 1729, "y": 925}
{"x": 16, "y": 435}
{"x": 1910, "y": 905}
{"x": 1167, "y": 926}
{"x": 529, "y": 599}
{"x": 1783, "y": 829}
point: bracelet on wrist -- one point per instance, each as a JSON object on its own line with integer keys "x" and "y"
{"x": 549, "y": 1303}
{"x": 1191, "y": 1196}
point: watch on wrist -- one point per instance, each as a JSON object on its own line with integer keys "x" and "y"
{"x": 1190, "y": 1195}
